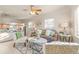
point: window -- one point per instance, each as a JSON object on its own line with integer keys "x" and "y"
{"x": 30, "y": 24}
{"x": 77, "y": 22}
{"x": 49, "y": 24}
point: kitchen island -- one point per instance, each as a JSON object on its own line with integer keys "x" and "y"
{"x": 5, "y": 37}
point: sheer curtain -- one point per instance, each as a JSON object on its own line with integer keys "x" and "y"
{"x": 77, "y": 21}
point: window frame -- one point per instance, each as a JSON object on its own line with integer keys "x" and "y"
{"x": 76, "y": 14}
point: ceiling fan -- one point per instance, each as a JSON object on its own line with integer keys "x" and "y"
{"x": 34, "y": 10}
{"x": 5, "y": 14}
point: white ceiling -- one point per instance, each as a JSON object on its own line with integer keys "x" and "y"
{"x": 17, "y": 11}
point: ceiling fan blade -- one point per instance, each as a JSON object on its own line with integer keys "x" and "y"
{"x": 39, "y": 10}
{"x": 7, "y": 15}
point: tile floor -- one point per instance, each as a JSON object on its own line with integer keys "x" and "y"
{"x": 7, "y": 48}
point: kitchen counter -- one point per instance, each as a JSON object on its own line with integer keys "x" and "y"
{"x": 5, "y": 36}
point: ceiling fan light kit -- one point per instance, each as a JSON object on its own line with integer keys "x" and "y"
{"x": 35, "y": 10}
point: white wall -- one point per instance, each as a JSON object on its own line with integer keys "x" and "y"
{"x": 60, "y": 15}
{"x": 73, "y": 19}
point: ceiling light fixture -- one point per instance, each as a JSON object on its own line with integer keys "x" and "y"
{"x": 35, "y": 10}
